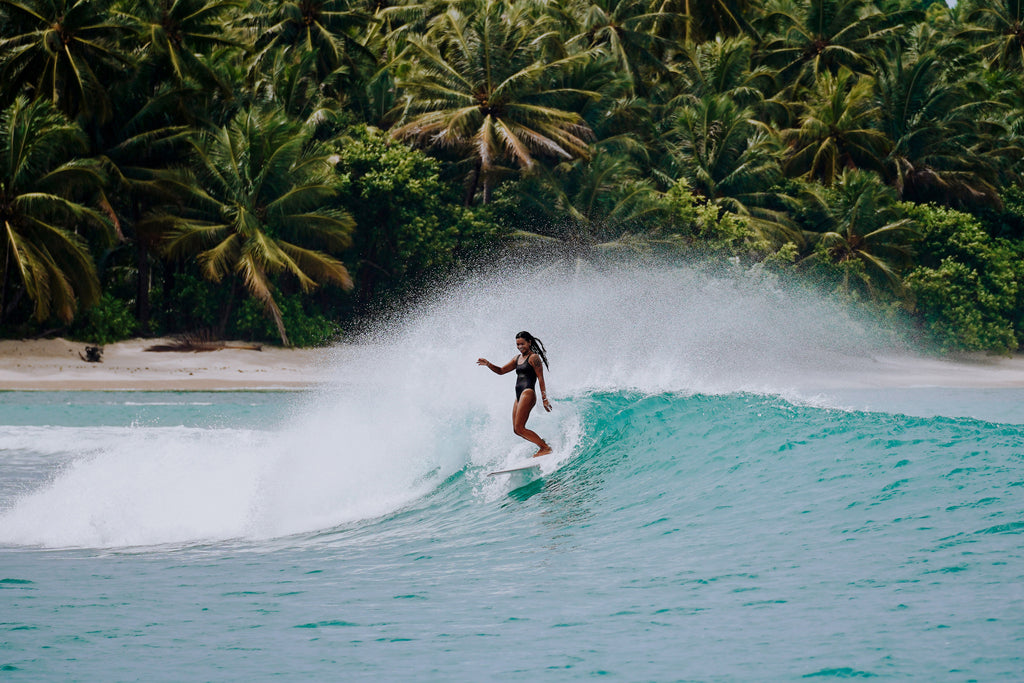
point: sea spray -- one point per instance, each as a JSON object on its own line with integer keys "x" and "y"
{"x": 406, "y": 407}
{"x": 645, "y": 328}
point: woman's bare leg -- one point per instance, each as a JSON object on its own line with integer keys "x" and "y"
{"x": 520, "y": 414}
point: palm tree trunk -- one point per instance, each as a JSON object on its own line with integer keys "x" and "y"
{"x": 487, "y": 191}
{"x": 472, "y": 185}
{"x": 142, "y": 284}
{"x": 222, "y": 326}
{"x": 275, "y": 313}
{"x": 3, "y": 282}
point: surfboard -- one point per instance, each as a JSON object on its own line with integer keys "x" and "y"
{"x": 531, "y": 464}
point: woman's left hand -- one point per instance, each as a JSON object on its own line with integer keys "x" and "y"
{"x": 547, "y": 405}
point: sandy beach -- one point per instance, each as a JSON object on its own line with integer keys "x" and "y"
{"x": 57, "y": 364}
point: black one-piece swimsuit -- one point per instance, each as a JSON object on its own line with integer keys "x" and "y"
{"x": 526, "y": 377}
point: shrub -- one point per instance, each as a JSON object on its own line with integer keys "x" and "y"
{"x": 965, "y": 287}
{"x": 305, "y": 328}
{"x": 108, "y": 321}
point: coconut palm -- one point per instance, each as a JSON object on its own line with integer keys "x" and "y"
{"x": 588, "y": 203}
{"x": 627, "y": 31}
{"x": 732, "y": 160}
{"x": 334, "y": 30}
{"x": 836, "y": 130}
{"x": 810, "y": 36}
{"x": 263, "y": 191}
{"x": 723, "y": 66}
{"x": 704, "y": 20}
{"x": 177, "y": 35}
{"x": 860, "y": 230}
{"x": 139, "y": 150}
{"x": 478, "y": 87}
{"x": 944, "y": 139}
{"x": 44, "y": 256}
{"x": 65, "y": 51}
{"x": 998, "y": 30}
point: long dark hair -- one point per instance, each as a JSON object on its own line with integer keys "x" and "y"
{"x": 536, "y": 345}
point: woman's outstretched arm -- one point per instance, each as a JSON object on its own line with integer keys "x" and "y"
{"x": 507, "y": 367}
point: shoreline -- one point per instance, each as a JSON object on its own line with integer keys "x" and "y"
{"x": 58, "y": 365}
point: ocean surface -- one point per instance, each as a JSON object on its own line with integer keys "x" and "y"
{"x": 719, "y": 507}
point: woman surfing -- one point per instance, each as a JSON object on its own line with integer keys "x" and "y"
{"x": 529, "y": 371}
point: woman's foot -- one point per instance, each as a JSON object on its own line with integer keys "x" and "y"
{"x": 543, "y": 451}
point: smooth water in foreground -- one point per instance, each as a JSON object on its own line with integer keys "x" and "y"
{"x": 718, "y": 509}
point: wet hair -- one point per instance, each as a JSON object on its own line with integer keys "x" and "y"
{"x": 536, "y": 345}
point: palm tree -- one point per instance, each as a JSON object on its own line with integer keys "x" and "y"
{"x": 723, "y": 66}
{"x": 705, "y": 20}
{"x": 176, "y": 34}
{"x": 807, "y": 37}
{"x": 139, "y": 150}
{"x": 593, "y": 203}
{"x": 732, "y": 160}
{"x": 333, "y": 30}
{"x": 294, "y": 85}
{"x": 44, "y": 256}
{"x": 627, "y": 31}
{"x": 477, "y": 86}
{"x": 946, "y": 144}
{"x": 262, "y": 193}
{"x": 999, "y": 30}
{"x": 65, "y": 51}
{"x": 836, "y": 130}
{"x": 861, "y": 231}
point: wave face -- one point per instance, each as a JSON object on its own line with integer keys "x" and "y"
{"x": 706, "y": 494}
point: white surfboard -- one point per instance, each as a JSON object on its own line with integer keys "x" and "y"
{"x": 531, "y": 464}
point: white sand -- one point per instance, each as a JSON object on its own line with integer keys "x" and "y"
{"x": 974, "y": 371}
{"x": 55, "y": 364}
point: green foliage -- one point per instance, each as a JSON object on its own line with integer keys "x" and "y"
{"x": 44, "y": 256}
{"x": 190, "y": 304}
{"x": 305, "y": 327}
{"x": 960, "y": 311}
{"x": 264, "y": 213}
{"x": 1008, "y": 220}
{"x": 409, "y": 225}
{"x": 785, "y": 256}
{"x": 109, "y": 321}
{"x": 63, "y": 51}
{"x": 733, "y": 161}
{"x": 480, "y": 85}
{"x": 863, "y": 233}
{"x": 707, "y": 228}
{"x": 603, "y": 202}
{"x": 966, "y": 287}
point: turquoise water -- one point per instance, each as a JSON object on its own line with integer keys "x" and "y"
{"x": 717, "y": 523}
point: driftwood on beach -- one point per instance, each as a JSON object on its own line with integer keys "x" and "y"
{"x": 198, "y": 342}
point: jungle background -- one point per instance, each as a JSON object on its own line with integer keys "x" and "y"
{"x": 282, "y": 170}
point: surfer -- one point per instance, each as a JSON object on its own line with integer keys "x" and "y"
{"x": 530, "y": 371}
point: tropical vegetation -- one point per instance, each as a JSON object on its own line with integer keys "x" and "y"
{"x": 278, "y": 170}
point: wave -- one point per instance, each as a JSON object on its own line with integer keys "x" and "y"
{"x": 645, "y": 364}
{"x": 116, "y": 488}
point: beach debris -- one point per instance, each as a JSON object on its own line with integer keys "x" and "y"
{"x": 196, "y": 342}
{"x": 93, "y": 354}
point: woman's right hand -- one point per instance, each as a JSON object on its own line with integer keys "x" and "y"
{"x": 482, "y": 361}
